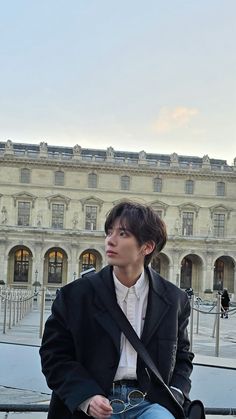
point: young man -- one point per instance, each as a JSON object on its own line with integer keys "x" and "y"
{"x": 86, "y": 358}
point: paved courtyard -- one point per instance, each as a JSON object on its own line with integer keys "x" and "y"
{"x": 22, "y": 382}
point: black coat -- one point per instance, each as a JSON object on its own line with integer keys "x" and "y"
{"x": 81, "y": 344}
{"x": 225, "y": 299}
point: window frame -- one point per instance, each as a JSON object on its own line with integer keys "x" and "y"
{"x": 218, "y": 226}
{"x": 157, "y": 184}
{"x": 220, "y": 188}
{"x": 24, "y": 215}
{"x": 189, "y": 187}
{"x": 125, "y": 182}
{"x": 59, "y": 178}
{"x": 56, "y": 216}
{"x": 189, "y": 228}
{"x": 92, "y": 180}
{"x": 25, "y": 175}
{"x": 90, "y": 221}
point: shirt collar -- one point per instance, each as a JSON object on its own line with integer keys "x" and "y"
{"x": 122, "y": 290}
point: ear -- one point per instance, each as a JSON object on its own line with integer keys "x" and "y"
{"x": 148, "y": 247}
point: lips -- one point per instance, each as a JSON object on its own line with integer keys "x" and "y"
{"x": 110, "y": 253}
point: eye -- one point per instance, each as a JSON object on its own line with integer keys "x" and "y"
{"x": 123, "y": 233}
{"x": 109, "y": 233}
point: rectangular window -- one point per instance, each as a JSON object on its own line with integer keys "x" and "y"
{"x": 220, "y": 189}
{"x": 92, "y": 180}
{"x": 25, "y": 176}
{"x": 187, "y": 223}
{"x": 23, "y": 214}
{"x": 125, "y": 183}
{"x": 57, "y": 215}
{"x": 59, "y": 178}
{"x": 91, "y": 217}
{"x": 189, "y": 187}
{"x": 157, "y": 184}
{"x": 219, "y": 225}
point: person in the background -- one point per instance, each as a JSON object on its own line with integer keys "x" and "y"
{"x": 86, "y": 359}
{"x": 225, "y": 300}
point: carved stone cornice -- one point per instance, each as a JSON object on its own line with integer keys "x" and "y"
{"x": 189, "y": 206}
{"x": 159, "y": 205}
{"x": 58, "y": 198}
{"x": 26, "y": 196}
{"x": 92, "y": 200}
{"x": 220, "y": 208}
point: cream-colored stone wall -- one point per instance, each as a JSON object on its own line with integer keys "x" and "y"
{"x": 73, "y": 239}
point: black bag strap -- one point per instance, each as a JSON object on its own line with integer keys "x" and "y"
{"x": 125, "y": 326}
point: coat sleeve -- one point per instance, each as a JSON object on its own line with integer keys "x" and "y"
{"x": 183, "y": 363}
{"x": 64, "y": 373}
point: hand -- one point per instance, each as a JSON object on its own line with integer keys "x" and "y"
{"x": 100, "y": 407}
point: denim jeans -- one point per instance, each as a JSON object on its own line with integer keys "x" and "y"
{"x": 145, "y": 410}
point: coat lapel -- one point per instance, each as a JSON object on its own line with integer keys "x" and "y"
{"x": 103, "y": 285}
{"x": 157, "y": 308}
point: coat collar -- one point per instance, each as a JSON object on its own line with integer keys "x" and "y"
{"x": 157, "y": 308}
{"x": 158, "y": 305}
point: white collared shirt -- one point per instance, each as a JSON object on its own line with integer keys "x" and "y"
{"x": 133, "y": 302}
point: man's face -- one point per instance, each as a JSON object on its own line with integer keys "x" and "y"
{"x": 122, "y": 247}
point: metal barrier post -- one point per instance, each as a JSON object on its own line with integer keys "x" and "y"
{"x": 217, "y": 347}
{"x": 198, "y": 314}
{"x": 5, "y": 315}
{"x": 42, "y": 312}
{"x": 10, "y": 310}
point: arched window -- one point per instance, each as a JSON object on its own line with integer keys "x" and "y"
{"x": 88, "y": 261}
{"x": 125, "y": 183}
{"x": 186, "y": 273}
{"x": 21, "y": 265}
{"x": 218, "y": 275}
{"x": 157, "y": 184}
{"x": 92, "y": 180}
{"x": 55, "y": 267}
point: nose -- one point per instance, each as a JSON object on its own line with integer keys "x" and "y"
{"x": 111, "y": 239}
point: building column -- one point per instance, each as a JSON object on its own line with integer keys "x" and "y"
{"x": 209, "y": 272}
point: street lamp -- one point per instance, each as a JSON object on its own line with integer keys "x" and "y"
{"x": 36, "y": 282}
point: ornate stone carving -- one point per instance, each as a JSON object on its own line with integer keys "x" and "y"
{"x": 43, "y": 149}
{"x": 142, "y": 155}
{"x": 110, "y": 153}
{"x": 77, "y": 152}
{"x": 75, "y": 220}
{"x": 39, "y": 219}
{"x": 4, "y": 216}
{"x": 9, "y": 147}
{"x": 174, "y": 158}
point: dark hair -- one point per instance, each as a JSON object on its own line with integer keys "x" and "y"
{"x": 142, "y": 221}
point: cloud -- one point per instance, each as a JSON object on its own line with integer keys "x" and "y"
{"x": 171, "y": 119}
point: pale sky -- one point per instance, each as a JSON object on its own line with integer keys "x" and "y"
{"x": 153, "y": 75}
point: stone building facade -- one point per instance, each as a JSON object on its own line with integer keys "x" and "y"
{"x": 54, "y": 200}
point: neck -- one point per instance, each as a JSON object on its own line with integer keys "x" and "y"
{"x": 128, "y": 276}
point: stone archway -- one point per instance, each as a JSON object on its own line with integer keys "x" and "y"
{"x": 55, "y": 267}
{"x": 19, "y": 266}
{"x": 191, "y": 273}
{"x": 224, "y": 271}
{"x": 90, "y": 258}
